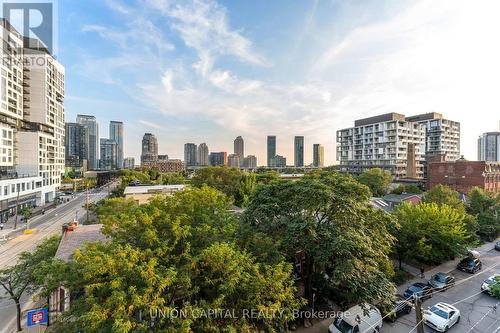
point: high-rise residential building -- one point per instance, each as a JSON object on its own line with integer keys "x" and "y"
{"x": 109, "y": 154}
{"x": 233, "y": 161}
{"x": 77, "y": 144}
{"x": 278, "y": 161}
{"x": 129, "y": 163}
{"x": 218, "y": 158}
{"x": 149, "y": 149}
{"x": 190, "y": 152}
{"x": 442, "y": 136}
{"x": 32, "y": 124}
{"x": 250, "y": 162}
{"x": 271, "y": 148}
{"x": 318, "y": 155}
{"x": 116, "y": 134}
{"x": 239, "y": 147}
{"x": 202, "y": 157}
{"x": 387, "y": 141}
{"x": 298, "y": 151}
{"x": 93, "y": 128}
{"x": 488, "y": 147}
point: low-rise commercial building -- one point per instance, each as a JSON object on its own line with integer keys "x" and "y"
{"x": 142, "y": 194}
{"x": 463, "y": 175}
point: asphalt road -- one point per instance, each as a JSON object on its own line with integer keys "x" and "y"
{"x": 45, "y": 226}
{"x": 478, "y": 314}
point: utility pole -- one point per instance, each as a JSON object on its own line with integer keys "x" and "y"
{"x": 17, "y": 205}
{"x": 418, "y": 313}
{"x": 87, "y": 202}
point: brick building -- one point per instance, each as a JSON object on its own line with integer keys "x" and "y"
{"x": 463, "y": 175}
{"x": 165, "y": 166}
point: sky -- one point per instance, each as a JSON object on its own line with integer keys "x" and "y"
{"x": 207, "y": 71}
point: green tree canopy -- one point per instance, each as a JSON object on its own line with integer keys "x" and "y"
{"x": 178, "y": 255}
{"x": 486, "y": 208}
{"x": 442, "y": 194}
{"x": 324, "y": 217}
{"x": 233, "y": 182}
{"x": 377, "y": 180}
{"x": 431, "y": 233}
{"x": 410, "y": 188}
{"x": 22, "y": 278}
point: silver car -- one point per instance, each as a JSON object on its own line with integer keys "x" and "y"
{"x": 441, "y": 281}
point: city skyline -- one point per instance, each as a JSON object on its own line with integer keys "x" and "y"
{"x": 213, "y": 96}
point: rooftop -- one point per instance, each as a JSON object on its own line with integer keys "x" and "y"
{"x": 143, "y": 189}
{"x": 77, "y": 238}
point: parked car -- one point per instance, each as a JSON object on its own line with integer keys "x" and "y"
{"x": 441, "y": 316}
{"x": 400, "y": 307}
{"x": 485, "y": 287}
{"x": 419, "y": 289}
{"x": 470, "y": 265}
{"x": 358, "y": 319}
{"x": 497, "y": 246}
{"x": 441, "y": 281}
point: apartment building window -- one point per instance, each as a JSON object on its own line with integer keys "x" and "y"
{"x": 5, "y": 190}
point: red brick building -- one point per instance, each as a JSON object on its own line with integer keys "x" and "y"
{"x": 463, "y": 175}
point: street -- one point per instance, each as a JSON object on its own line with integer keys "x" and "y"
{"x": 45, "y": 226}
{"x": 477, "y": 312}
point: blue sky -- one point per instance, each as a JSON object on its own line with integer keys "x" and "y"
{"x": 208, "y": 71}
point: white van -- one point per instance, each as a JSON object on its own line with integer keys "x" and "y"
{"x": 358, "y": 320}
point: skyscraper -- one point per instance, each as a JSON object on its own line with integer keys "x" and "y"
{"x": 93, "y": 128}
{"x": 190, "y": 153}
{"x": 218, "y": 158}
{"x": 109, "y": 154}
{"x": 488, "y": 147}
{"x": 250, "y": 162}
{"x": 128, "y": 163}
{"x": 298, "y": 151}
{"x": 202, "y": 158}
{"x": 149, "y": 149}
{"x": 233, "y": 161}
{"x": 271, "y": 148}
{"x": 116, "y": 134}
{"x": 77, "y": 145}
{"x": 318, "y": 155}
{"x": 239, "y": 147}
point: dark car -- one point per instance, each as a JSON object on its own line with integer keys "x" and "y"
{"x": 419, "y": 289}
{"x": 497, "y": 246}
{"x": 470, "y": 265}
{"x": 441, "y": 281}
{"x": 400, "y": 307}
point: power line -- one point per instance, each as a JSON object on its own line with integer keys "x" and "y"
{"x": 482, "y": 318}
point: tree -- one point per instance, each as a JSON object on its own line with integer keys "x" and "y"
{"x": 431, "y": 233}
{"x": 495, "y": 289}
{"x": 486, "y": 208}
{"x": 402, "y": 188}
{"x": 26, "y": 213}
{"x": 377, "y": 180}
{"x": 442, "y": 194}
{"x": 172, "y": 178}
{"x": 178, "y": 254}
{"x": 21, "y": 278}
{"x": 267, "y": 177}
{"x": 233, "y": 182}
{"x": 324, "y": 219}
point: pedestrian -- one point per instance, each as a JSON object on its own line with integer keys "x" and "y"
{"x": 1, "y": 226}
{"x": 422, "y": 272}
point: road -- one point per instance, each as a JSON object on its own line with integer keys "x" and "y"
{"x": 45, "y": 226}
{"x": 477, "y": 312}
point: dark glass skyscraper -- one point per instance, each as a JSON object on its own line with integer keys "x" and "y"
{"x": 93, "y": 128}
{"x": 190, "y": 152}
{"x": 271, "y": 149}
{"x": 116, "y": 134}
{"x": 149, "y": 148}
{"x": 299, "y": 151}
{"x": 76, "y": 142}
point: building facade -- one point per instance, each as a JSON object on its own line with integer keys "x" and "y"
{"x": 298, "y": 151}
{"x": 32, "y": 123}
{"x": 77, "y": 144}
{"x": 109, "y": 155}
{"x": 239, "y": 148}
{"x": 233, "y": 161}
{"x": 463, "y": 175}
{"x": 278, "y": 161}
{"x": 218, "y": 158}
{"x": 202, "y": 156}
{"x": 318, "y": 155}
{"x": 129, "y": 163}
{"x": 93, "y": 129}
{"x": 250, "y": 162}
{"x": 388, "y": 141}
{"x": 166, "y": 166}
{"x": 488, "y": 147}
{"x": 149, "y": 149}
{"x": 271, "y": 149}
{"x": 116, "y": 134}
{"x": 190, "y": 154}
